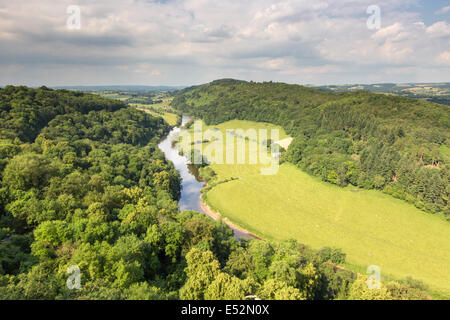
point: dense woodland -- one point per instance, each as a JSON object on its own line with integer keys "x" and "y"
{"x": 374, "y": 141}
{"x": 83, "y": 183}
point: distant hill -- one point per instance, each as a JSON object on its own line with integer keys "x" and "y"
{"x": 433, "y": 92}
{"x": 124, "y": 88}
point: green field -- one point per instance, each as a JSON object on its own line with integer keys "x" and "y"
{"x": 171, "y": 118}
{"x": 371, "y": 227}
{"x": 164, "y": 104}
{"x": 159, "y": 110}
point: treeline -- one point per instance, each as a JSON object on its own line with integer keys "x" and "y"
{"x": 91, "y": 189}
{"x": 441, "y": 99}
{"x": 375, "y": 141}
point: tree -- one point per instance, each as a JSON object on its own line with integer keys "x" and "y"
{"x": 198, "y": 229}
{"x": 201, "y": 271}
{"x": 226, "y": 287}
{"x": 261, "y": 253}
{"x": 333, "y": 255}
{"x": 240, "y": 264}
{"x": 143, "y": 291}
{"x": 27, "y": 171}
{"x": 278, "y": 290}
{"x": 49, "y": 235}
{"x": 310, "y": 281}
{"x": 40, "y": 283}
{"x": 127, "y": 273}
{"x": 360, "y": 291}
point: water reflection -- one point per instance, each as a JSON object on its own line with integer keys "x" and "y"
{"x": 190, "y": 184}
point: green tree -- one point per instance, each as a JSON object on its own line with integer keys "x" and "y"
{"x": 225, "y": 287}
{"x": 201, "y": 271}
{"x": 278, "y": 290}
{"x": 360, "y": 291}
{"x": 27, "y": 171}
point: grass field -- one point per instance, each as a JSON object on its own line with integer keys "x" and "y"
{"x": 164, "y": 104}
{"x": 371, "y": 227}
{"x": 171, "y": 118}
{"x": 163, "y": 109}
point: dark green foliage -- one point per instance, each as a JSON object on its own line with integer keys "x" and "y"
{"x": 25, "y": 111}
{"x": 333, "y": 255}
{"x": 84, "y": 190}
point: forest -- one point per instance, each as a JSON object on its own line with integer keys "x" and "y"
{"x": 84, "y": 184}
{"x": 374, "y": 141}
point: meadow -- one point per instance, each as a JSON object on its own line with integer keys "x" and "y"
{"x": 372, "y": 228}
{"x": 161, "y": 109}
{"x": 170, "y": 118}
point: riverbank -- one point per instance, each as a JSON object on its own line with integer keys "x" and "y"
{"x": 216, "y": 216}
{"x": 191, "y": 184}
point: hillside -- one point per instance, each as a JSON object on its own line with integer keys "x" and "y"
{"x": 24, "y": 111}
{"x": 374, "y": 141}
{"x": 82, "y": 180}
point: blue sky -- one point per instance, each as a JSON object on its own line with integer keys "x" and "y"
{"x": 185, "y": 42}
{"x": 428, "y": 9}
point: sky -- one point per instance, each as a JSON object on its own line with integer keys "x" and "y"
{"x": 187, "y": 42}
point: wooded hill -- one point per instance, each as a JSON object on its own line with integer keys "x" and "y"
{"x": 374, "y": 141}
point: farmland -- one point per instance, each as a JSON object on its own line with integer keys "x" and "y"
{"x": 156, "y": 103}
{"x": 371, "y": 227}
{"x": 159, "y": 109}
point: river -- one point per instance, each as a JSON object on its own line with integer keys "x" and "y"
{"x": 190, "y": 185}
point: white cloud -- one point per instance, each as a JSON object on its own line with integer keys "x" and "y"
{"x": 440, "y": 29}
{"x": 194, "y": 41}
{"x": 444, "y": 58}
{"x": 275, "y": 64}
{"x": 390, "y": 32}
{"x": 444, "y": 10}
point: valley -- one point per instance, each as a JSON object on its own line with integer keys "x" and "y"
{"x": 371, "y": 227}
{"x": 106, "y": 189}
